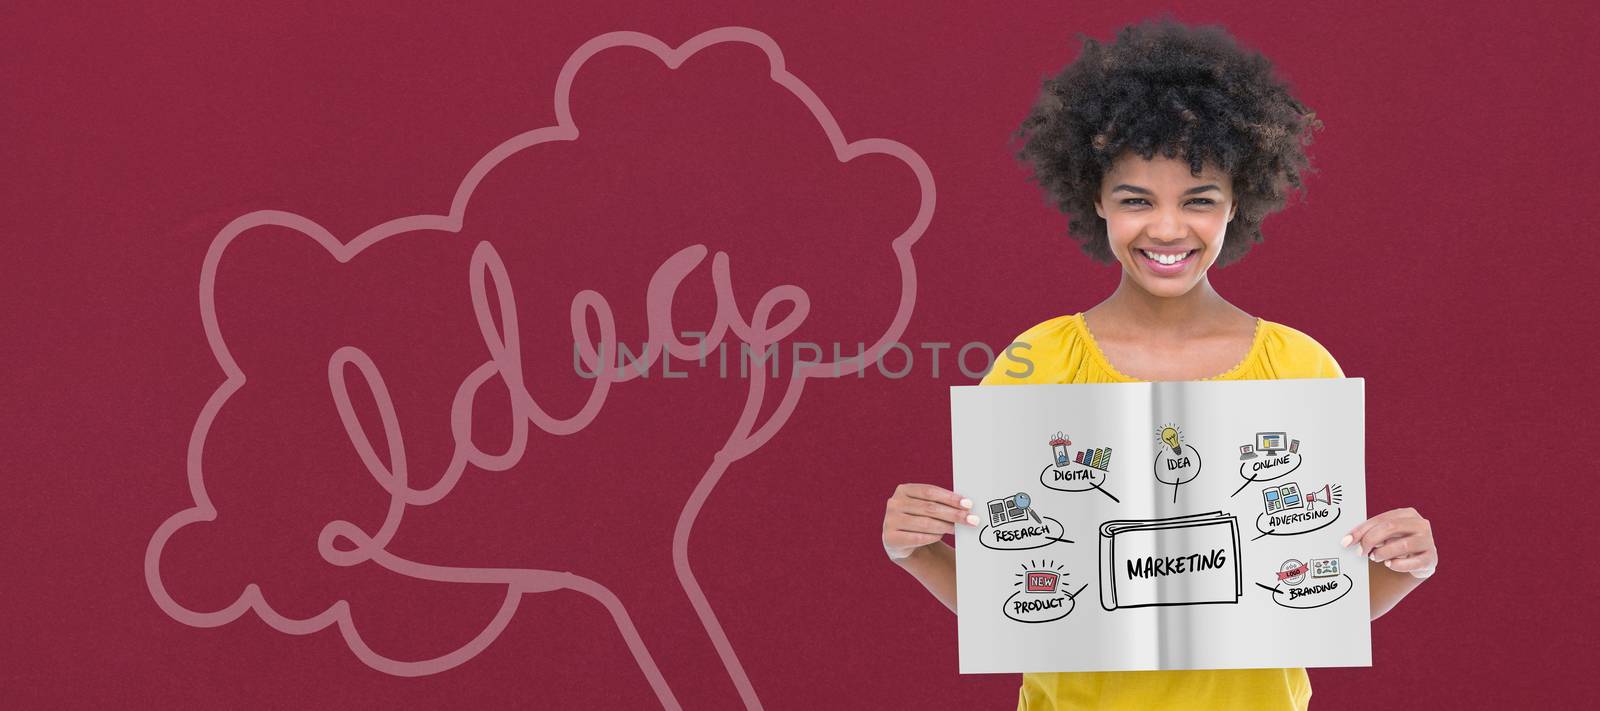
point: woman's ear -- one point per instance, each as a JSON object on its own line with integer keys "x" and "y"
{"x": 1233, "y": 210}
{"x": 1101, "y": 210}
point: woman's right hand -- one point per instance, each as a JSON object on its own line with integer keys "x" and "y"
{"x": 922, "y": 514}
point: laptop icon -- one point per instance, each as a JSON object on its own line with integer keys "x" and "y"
{"x": 1246, "y": 452}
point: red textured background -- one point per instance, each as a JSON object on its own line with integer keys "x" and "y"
{"x": 1441, "y": 255}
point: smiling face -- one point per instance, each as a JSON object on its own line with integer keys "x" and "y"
{"x": 1165, "y": 225}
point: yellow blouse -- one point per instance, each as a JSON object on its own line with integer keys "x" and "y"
{"x": 1062, "y": 350}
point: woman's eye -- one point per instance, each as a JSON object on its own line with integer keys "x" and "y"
{"x": 1203, "y": 202}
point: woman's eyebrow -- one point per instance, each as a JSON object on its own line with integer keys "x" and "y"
{"x": 1142, "y": 191}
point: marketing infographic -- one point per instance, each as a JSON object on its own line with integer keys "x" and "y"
{"x": 1178, "y": 525}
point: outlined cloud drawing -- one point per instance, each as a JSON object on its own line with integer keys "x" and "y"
{"x": 774, "y": 316}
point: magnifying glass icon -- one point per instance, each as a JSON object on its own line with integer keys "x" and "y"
{"x": 1024, "y": 502}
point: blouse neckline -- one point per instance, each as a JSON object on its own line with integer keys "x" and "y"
{"x": 1257, "y": 341}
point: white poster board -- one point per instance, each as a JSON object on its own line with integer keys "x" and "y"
{"x": 1172, "y": 525}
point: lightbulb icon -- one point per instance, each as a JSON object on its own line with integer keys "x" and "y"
{"x": 1169, "y": 435}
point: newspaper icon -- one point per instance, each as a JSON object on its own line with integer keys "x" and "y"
{"x": 1183, "y": 560}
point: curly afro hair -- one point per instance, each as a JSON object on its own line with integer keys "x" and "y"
{"x": 1162, "y": 86}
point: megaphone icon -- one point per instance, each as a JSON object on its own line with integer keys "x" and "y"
{"x": 1326, "y": 495}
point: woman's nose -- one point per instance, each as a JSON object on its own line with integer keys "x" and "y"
{"x": 1166, "y": 226}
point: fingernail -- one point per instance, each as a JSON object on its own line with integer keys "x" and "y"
{"x": 966, "y": 503}
{"x": 1389, "y": 564}
{"x": 972, "y": 520}
{"x": 1373, "y": 557}
{"x": 1345, "y": 542}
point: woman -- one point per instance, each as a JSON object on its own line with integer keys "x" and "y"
{"x": 1167, "y": 148}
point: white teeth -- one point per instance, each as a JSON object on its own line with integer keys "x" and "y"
{"x": 1166, "y": 259}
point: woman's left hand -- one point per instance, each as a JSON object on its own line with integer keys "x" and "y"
{"x": 1402, "y": 540}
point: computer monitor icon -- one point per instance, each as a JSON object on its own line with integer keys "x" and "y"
{"x": 1270, "y": 442}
